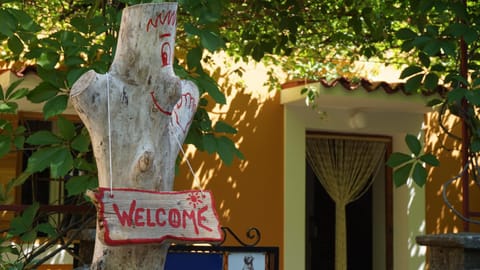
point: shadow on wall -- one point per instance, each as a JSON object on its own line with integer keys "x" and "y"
{"x": 249, "y": 193}
{"x": 440, "y": 219}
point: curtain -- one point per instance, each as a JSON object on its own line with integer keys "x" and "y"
{"x": 346, "y": 169}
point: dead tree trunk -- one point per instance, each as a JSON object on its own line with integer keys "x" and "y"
{"x": 150, "y": 111}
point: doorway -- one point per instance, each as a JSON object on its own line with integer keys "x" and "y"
{"x": 368, "y": 221}
{"x": 321, "y": 228}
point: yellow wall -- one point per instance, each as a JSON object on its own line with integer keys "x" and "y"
{"x": 440, "y": 219}
{"x": 248, "y": 193}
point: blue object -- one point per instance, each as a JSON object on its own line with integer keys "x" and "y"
{"x": 196, "y": 261}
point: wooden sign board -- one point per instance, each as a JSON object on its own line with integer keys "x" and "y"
{"x": 131, "y": 216}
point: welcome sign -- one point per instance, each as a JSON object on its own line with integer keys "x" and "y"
{"x": 131, "y": 216}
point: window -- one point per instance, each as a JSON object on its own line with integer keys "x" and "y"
{"x": 51, "y": 193}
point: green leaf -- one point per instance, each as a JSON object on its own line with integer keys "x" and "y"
{"x": 413, "y": 144}
{"x": 12, "y": 87}
{"x": 81, "y": 143}
{"x": 55, "y": 106}
{"x": 4, "y": 145}
{"x": 203, "y": 102}
{"x": 475, "y": 145}
{"x": 396, "y": 159}
{"x": 456, "y": 79}
{"x": 6, "y": 125}
{"x": 79, "y": 184}
{"x": 460, "y": 10}
{"x": 46, "y": 157}
{"x": 414, "y": 83}
{"x": 9, "y": 23}
{"x": 42, "y": 92}
{"x": 425, "y": 5}
{"x": 407, "y": 45}
{"x": 48, "y": 59}
{"x": 74, "y": 60}
{"x": 24, "y": 20}
{"x": 9, "y": 249}
{"x": 470, "y": 36}
{"x": 406, "y": 33}
{"x": 209, "y": 143}
{"x": 424, "y": 59}
{"x": 17, "y": 181}
{"x": 191, "y": 29}
{"x": 62, "y": 163}
{"x": 409, "y": 71}
{"x": 434, "y": 102}
{"x": 18, "y": 94}
{"x": 15, "y": 45}
{"x": 456, "y": 29}
{"x": 74, "y": 74}
{"x": 24, "y": 223}
{"x": 457, "y": 94}
{"x": 432, "y": 47}
{"x": 449, "y": 48}
{"x": 8, "y": 107}
{"x": 430, "y": 159}
{"x": 66, "y": 128}
{"x": 53, "y": 76}
{"x": 211, "y": 87}
{"x": 226, "y": 149}
{"x": 473, "y": 97}
{"x": 80, "y": 23}
{"x": 419, "y": 174}
{"x": 48, "y": 229}
{"x": 83, "y": 165}
{"x": 194, "y": 56}
{"x": 43, "y": 137}
{"x": 223, "y": 127}
{"x": 431, "y": 81}
{"x": 211, "y": 40}
{"x": 19, "y": 141}
{"x": 29, "y": 236}
{"x": 400, "y": 175}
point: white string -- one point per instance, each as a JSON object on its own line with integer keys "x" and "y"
{"x": 109, "y": 134}
{"x": 196, "y": 181}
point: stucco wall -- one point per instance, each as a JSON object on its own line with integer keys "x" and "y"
{"x": 440, "y": 219}
{"x": 249, "y": 193}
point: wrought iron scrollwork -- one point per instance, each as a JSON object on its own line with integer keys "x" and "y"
{"x": 252, "y": 233}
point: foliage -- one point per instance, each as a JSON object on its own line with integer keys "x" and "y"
{"x": 444, "y": 37}
{"x": 64, "y": 39}
{"x": 411, "y": 166}
{"x": 310, "y": 38}
{"x": 316, "y": 39}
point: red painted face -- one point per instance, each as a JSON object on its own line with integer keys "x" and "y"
{"x": 166, "y": 54}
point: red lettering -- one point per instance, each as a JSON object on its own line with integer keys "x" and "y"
{"x": 201, "y": 218}
{"x": 160, "y": 211}
{"x": 174, "y": 218}
{"x": 139, "y": 217}
{"x": 149, "y": 219}
{"x": 168, "y": 18}
{"x": 125, "y": 218}
{"x": 191, "y": 216}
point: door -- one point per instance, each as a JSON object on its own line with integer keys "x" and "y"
{"x": 320, "y": 231}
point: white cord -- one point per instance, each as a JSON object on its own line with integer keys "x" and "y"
{"x": 196, "y": 181}
{"x": 109, "y": 134}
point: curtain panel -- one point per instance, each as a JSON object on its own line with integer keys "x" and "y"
{"x": 346, "y": 169}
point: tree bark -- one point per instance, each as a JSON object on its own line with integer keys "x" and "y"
{"x": 150, "y": 111}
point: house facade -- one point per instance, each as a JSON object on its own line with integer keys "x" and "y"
{"x": 274, "y": 189}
